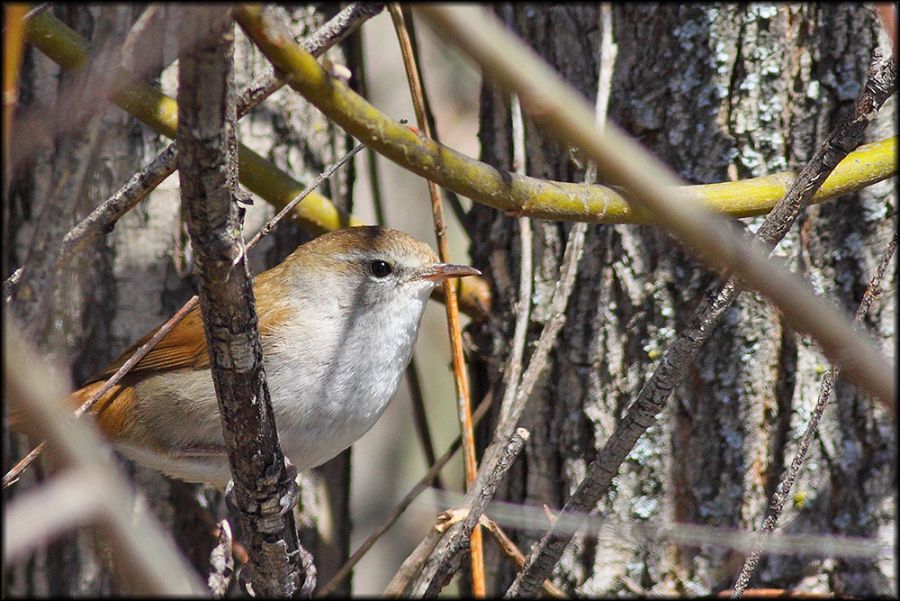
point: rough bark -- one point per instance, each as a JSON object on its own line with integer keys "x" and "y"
{"x": 724, "y": 93}
{"x": 291, "y": 132}
{"x": 207, "y": 170}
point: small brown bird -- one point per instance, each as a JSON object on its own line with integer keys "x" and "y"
{"x": 337, "y": 320}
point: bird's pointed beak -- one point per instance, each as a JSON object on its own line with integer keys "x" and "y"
{"x": 441, "y": 271}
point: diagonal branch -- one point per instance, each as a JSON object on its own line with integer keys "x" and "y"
{"x": 653, "y": 395}
{"x": 776, "y": 505}
{"x": 507, "y": 191}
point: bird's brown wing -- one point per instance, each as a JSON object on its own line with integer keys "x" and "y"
{"x": 185, "y": 346}
{"x": 180, "y": 348}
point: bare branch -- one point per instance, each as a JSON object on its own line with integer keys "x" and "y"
{"x": 522, "y": 195}
{"x": 206, "y": 130}
{"x": 653, "y": 186}
{"x": 445, "y": 557}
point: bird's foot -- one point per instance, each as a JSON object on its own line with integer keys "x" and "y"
{"x": 286, "y": 503}
{"x": 292, "y": 497}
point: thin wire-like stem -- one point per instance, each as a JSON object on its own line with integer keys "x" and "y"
{"x": 141, "y": 352}
{"x": 513, "y": 369}
{"x": 783, "y": 491}
{"x": 460, "y": 376}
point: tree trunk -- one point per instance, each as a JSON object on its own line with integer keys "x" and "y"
{"x": 718, "y": 93}
{"x": 135, "y": 278}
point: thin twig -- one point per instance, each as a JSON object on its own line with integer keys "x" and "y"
{"x": 443, "y": 562}
{"x": 270, "y": 225}
{"x": 783, "y": 491}
{"x": 653, "y": 395}
{"x": 336, "y": 29}
{"x": 513, "y": 368}
{"x": 141, "y": 352}
{"x": 509, "y": 548}
{"x": 362, "y": 79}
{"x": 653, "y": 186}
{"x": 404, "y": 504}
{"x": 460, "y": 376}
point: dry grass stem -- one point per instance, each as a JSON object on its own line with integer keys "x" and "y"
{"x": 460, "y": 375}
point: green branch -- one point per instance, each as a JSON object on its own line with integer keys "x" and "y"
{"x": 518, "y": 194}
{"x": 160, "y": 112}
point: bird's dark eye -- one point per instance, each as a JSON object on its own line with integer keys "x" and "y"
{"x": 380, "y": 269}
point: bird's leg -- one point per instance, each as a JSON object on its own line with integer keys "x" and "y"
{"x": 292, "y": 497}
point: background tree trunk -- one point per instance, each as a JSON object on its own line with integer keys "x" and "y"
{"x": 137, "y": 276}
{"x": 718, "y": 93}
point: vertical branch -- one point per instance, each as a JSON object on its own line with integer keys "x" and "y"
{"x": 13, "y": 44}
{"x": 460, "y": 376}
{"x": 207, "y": 162}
